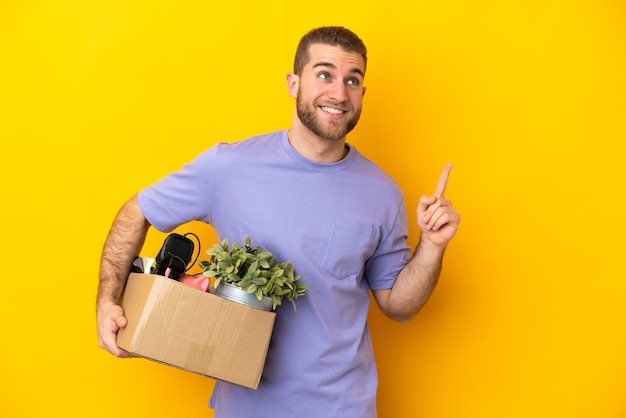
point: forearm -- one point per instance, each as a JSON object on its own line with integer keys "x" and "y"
{"x": 414, "y": 284}
{"x": 122, "y": 245}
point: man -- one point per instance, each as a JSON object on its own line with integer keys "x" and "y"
{"x": 307, "y": 196}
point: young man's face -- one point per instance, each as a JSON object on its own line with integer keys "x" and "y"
{"x": 330, "y": 91}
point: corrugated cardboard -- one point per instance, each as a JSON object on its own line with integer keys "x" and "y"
{"x": 180, "y": 326}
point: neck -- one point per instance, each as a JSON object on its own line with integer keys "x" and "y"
{"x": 314, "y": 148}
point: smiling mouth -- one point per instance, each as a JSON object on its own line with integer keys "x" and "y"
{"x": 332, "y": 110}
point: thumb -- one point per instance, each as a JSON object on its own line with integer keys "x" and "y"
{"x": 121, "y": 321}
{"x": 117, "y": 319}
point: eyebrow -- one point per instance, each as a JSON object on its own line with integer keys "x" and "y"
{"x": 334, "y": 67}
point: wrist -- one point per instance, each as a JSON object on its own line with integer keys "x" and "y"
{"x": 426, "y": 246}
{"x": 102, "y": 306}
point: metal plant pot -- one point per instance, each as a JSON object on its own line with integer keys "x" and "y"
{"x": 237, "y": 294}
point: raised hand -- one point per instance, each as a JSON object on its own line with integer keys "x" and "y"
{"x": 436, "y": 217}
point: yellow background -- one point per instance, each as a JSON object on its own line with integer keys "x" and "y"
{"x": 528, "y": 98}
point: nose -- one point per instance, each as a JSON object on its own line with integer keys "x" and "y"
{"x": 338, "y": 92}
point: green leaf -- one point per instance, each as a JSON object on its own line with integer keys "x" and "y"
{"x": 277, "y": 301}
{"x": 253, "y": 267}
{"x": 259, "y": 281}
{"x": 252, "y": 288}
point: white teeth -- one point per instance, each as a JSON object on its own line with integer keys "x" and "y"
{"x": 332, "y": 110}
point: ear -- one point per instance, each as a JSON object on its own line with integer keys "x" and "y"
{"x": 364, "y": 91}
{"x": 293, "y": 81}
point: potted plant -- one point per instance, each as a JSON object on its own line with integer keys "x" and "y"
{"x": 252, "y": 275}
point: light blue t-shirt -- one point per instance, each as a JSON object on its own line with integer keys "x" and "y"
{"x": 343, "y": 226}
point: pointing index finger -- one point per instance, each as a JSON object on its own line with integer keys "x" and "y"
{"x": 443, "y": 181}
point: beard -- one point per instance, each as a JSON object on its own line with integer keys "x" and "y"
{"x": 331, "y": 130}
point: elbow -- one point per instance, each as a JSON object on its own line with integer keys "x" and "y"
{"x": 401, "y": 317}
{"x": 403, "y": 313}
{"x": 404, "y": 320}
{"x": 398, "y": 311}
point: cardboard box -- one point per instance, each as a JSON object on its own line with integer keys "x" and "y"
{"x": 172, "y": 323}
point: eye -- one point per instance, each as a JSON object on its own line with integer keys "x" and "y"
{"x": 354, "y": 82}
{"x": 324, "y": 76}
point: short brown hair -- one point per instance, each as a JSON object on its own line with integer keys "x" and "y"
{"x": 328, "y": 35}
